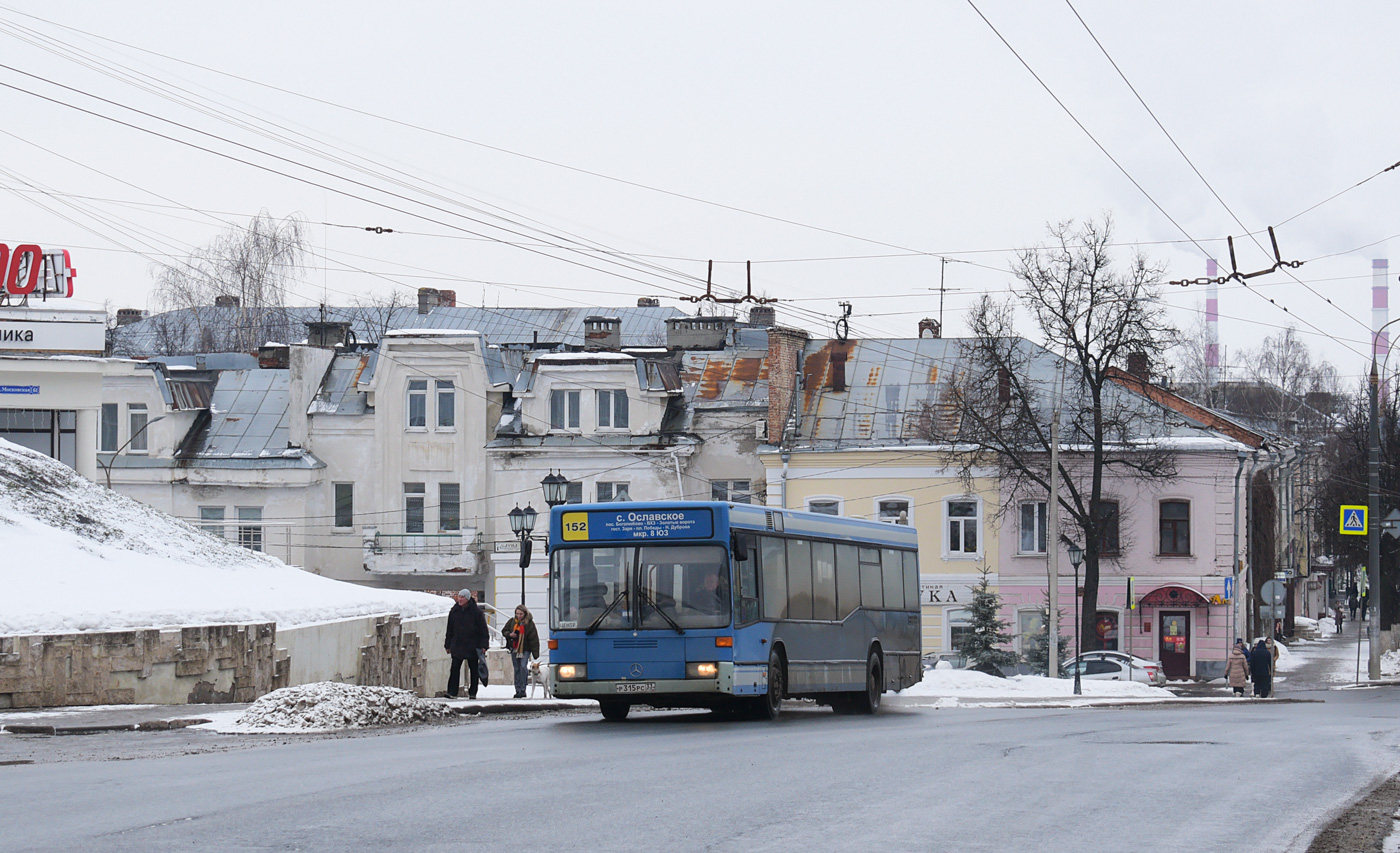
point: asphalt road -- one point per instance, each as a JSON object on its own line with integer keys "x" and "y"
{"x": 1249, "y": 776}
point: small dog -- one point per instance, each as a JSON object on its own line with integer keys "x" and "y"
{"x": 538, "y": 678}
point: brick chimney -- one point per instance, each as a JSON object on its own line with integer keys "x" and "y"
{"x": 784, "y": 352}
{"x": 762, "y": 316}
{"x": 1138, "y": 365}
{"x": 930, "y": 328}
{"x": 428, "y": 299}
{"x": 648, "y": 302}
{"x": 602, "y": 334}
{"x": 226, "y": 301}
{"x": 127, "y": 316}
{"x": 447, "y": 298}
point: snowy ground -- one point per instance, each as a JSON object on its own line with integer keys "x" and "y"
{"x": 948, "y": 688}
{"x": 81, "y": 558}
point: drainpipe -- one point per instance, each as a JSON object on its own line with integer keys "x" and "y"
{"x": 1247, "y": 599}
{"x": 1236, "y": 564}
{"x": 782, "y": 491}
{"x": 680, "y": 484}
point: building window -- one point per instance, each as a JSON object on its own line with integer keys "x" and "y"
{"x": 413, "y": 507}
{"x": 449, "y": 506}
{"x": 574, "y": 493}
{"x": 963, "y": 527}
{"x": 250, "y": 532}
{"x": 894, "y": 511}
{"x": 344, "y": 505}
{"x": 446, "y": 404}
{"x": 732, "y": 491}
{"x": 1108, "y": 515}
{"x": 417, "y": 403}
{"x": 211, "y": 520}
{"x": 107, "y": 435}
{"x": 1030, "y": 625}
{"x": 1176, "y": 528}
{"x": 959, "y": 628}
{"x": 612, "y": 492}
{"x": 1033, "y": 531}
{"x": 824, "y": 506}
{"x": 137, "y": 420}
{"x": 563, "y": 409}
{"x": 1106, "y": 626}
{"x": 612, "y": 409}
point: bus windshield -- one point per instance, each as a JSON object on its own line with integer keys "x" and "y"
{"x": 665, "y": 587}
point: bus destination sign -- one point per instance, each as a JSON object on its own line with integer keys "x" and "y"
{"x": 612, "y": 526}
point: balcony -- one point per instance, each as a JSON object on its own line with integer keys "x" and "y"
{"x": 395, "y": 552}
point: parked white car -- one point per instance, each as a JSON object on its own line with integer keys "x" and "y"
{"x": 1113, "y": 666}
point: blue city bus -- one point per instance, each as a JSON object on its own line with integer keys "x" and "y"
{"x": 697, "y": 604}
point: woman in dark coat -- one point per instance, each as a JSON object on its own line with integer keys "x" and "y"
{"x": 523, "y": 640}
{"x": 1259, "y": 669}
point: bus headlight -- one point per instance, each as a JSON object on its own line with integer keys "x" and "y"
{"x": 571, "y": 671}
{"x": 701, "y": 670}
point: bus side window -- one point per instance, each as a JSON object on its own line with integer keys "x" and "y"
{"x": 870, "y": 580}
{"x": 774, "y": 567}
{"x": 847, "y": 580}
{"x": 911, "y": 580}
{"x": 893, "y": 574}
{"x": 799, "y": 554}
{"x": 823, "y": 581}
{"x": 747, "y": 574}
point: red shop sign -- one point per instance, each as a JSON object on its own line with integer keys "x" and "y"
{"x": 28, "y": 270}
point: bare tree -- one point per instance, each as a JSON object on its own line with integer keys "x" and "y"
{"x": 232, "y": 293}
{"x": 371, "y": 316}
{"x": 1295, "y": 393}
{"x": 1192, "y": 374}
{"x": 1099, "y": 317}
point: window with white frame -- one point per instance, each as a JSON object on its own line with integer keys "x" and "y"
{"x": 446, "y": 404}
{"x": 964, "y": 526}
{"x": 417, "y": 403}
{"x": 824, "y": 506}
{"x": 449, "y": 507}
{"x": 893, "y": 510}
{"x": 137, "y": 421}
{"x": 413, "y": 494}
{"x": 107, "y": 434}
{"x": 1033, "y": 530}
{"x": 959, "y": 628}
{"x": 344, "y": 495}
{"x": 250, "y": 531}
{"x": 211, "y": 520}
{"x": 608, "y": 492}
{"x": 733, "y": 491}
{"x": 563, "y": 409}
{"x": 612, "y": 409}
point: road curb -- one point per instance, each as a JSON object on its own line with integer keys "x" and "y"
{"x": 510, "y": 708}
{"x": 147, "y": 726}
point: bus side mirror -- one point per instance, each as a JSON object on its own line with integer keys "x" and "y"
{"x": 739, "y": 546}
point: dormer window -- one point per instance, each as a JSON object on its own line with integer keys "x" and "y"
{"x": 563, "y": 409}
{"x": 612, "y": 409}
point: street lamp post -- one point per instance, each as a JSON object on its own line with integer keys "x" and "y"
{"x": 522, "y": 524}
{"x": 107, "y": 468}
{"x": 1076, "y": 558}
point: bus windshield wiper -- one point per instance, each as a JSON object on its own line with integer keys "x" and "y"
{"x": 646, "y": 599}
{"x": 621, "y": 594}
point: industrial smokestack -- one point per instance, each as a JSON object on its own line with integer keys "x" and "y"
{"x": 1212, "y": 326}
{"x": 1380, "y": 308}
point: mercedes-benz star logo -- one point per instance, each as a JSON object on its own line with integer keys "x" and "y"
{"x": 636, "y": 670}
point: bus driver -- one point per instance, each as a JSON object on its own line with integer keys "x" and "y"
{"x": 711, "y": 596}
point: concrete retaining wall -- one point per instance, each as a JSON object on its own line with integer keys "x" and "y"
{"x": 219, "y": 663}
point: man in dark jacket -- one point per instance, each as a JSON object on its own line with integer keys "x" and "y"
{"x": 467, "y": 640}
{"x": 1261, "y": 670}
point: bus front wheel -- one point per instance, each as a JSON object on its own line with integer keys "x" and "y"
{"x": 769, "y": 704}
{"x": 869, "y": 701}
{"x": 613, "y": 710}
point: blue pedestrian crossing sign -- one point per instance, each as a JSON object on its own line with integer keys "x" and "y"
{"x": 1354, "y": 520}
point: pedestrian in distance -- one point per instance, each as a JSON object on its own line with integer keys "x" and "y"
{"x": 1365, "y": 603}
{"x": 1338, "y": 615}
{"x": 1260, "y": 670}
{"x": 1273, "y": 656}
{"x": 523, "y": 640}
{"x": 1237, "y": 667}
{"x": 1352, "y": 604}
{"x": 466, "y": 641}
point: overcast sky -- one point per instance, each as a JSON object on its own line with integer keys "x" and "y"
{"x": 586, "y": 154}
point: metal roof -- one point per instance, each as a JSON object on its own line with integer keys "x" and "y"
{"x": 641, "y": 326}
{"x": 249, "y": 416}
{"x": 339, "y": 393}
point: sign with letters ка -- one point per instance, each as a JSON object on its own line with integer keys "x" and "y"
{"x": 1354, "y": 520}
{"x": 28, "y": 271}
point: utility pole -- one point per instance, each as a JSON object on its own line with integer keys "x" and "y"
{"x": 1052, "y": 542}
{"x": 1373, "y": 533}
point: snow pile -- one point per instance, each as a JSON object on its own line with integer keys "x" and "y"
{"x": 78, "y": 557}
{"x": 329, "y": 705}
{"x": 968, "y": 684}
{"x": 1305, "y": 623}
{"x": 1390, "y": 663}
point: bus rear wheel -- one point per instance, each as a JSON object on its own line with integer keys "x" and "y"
{"x": 613, "y": 710}
{"x": 868, "y": 702}
{"x": 767, "y": 706}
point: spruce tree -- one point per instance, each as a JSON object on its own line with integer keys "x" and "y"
{"x": 987, "y": 631}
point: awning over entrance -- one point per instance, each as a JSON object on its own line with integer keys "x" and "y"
{"x": 1174, "y": 596}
